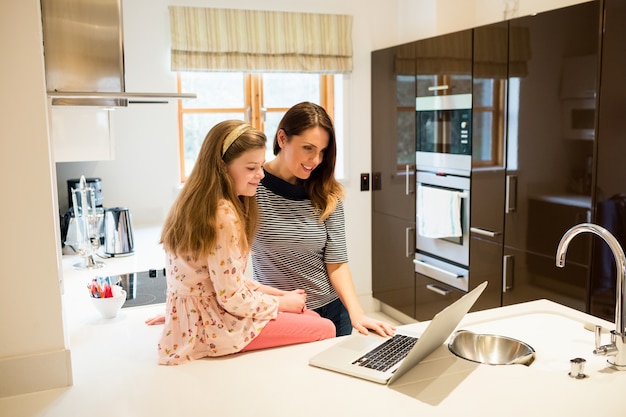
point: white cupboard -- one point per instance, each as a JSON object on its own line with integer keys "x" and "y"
{"x": 81, "y": 133}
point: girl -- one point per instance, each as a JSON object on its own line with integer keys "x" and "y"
{"x": 211, "y": 308}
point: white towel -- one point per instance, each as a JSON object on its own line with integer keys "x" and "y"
{"x": 438, "y": 212}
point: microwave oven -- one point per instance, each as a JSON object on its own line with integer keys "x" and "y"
{"x": 578, "y": 118}
{"x": 444, "y": 133}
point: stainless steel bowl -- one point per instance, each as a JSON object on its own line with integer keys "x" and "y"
{"x": 490, "y": 349}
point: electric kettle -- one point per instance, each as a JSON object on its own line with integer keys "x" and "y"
{"x": 118, "y": 232}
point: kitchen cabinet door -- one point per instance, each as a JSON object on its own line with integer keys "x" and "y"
{"x": 81, "y": 133}
{"x": 540, "y": 163}
{"x": 523, "y": 282}
{"x": 486, "y": 265}
{"x": 393, "y": 135}
{"x": 490, "y": 71}
{"x": 610, "y": 165}
{"x": 486, "y": 234}
{"x": 393, "y": 180}
{"x": 393, "y": 250}
{"x": 444, "y": 64}
{"x": 432, "y": 296}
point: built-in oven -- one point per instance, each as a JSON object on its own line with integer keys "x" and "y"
{"x": 442, "y": 227}
{"x": 444, "y": 133}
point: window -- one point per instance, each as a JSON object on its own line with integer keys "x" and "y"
{"x": 261, "y": 99}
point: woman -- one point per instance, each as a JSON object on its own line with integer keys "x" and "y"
{"x": 211, "y": 308}
{"x": 301, "y": 239}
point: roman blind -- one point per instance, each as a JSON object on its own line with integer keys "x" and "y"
{"x": 209, "y": 39}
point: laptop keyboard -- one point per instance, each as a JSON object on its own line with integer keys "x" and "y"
{"x": 387, "y": 354}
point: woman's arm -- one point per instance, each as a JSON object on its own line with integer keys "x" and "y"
{"x": 265, "y": 289}
{"x": 290, "y": 301}
{"x": 341, "y": 280}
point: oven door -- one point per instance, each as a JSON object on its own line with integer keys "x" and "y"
{"x": 450, "y": 248}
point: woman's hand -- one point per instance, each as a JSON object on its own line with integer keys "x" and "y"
{"x": 363, "y": 323}
{"x": 160, "y": 319}
{"x": 292, "y": 301}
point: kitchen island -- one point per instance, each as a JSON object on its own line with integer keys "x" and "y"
{"x": 115, "y": 370}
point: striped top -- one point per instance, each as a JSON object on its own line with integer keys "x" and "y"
{"x": 291, "y": 248}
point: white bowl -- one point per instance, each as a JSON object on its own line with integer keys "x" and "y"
{"x": 108, "y": 307}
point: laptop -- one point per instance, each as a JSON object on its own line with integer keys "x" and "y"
{"x": 355, "y": 355}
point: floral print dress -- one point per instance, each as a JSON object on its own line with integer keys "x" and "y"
{"x": 211, "y": 308}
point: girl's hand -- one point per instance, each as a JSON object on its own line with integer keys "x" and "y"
{"x": 292, "y": 301}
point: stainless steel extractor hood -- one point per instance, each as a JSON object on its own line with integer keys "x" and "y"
{"x": 84, "y": 55}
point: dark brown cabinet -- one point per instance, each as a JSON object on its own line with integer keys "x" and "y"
{"x": 490, "y": 72}
{"x": 392, "y": 262}
{"x": 443, "y": 64}
{"x": 610, "y": 166}
{"x": 393, "y": 180}
{"x": 548, "y": 151}
{"x": 529, "y": 172}
{"x": 543, "y": 163}
{"x": 432, "y": 296}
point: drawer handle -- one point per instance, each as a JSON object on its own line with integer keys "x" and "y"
{"x": 483, "y": 232}
{"x": 438, "y": 290}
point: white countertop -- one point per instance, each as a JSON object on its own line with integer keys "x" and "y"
{"x": 115, "y": 371}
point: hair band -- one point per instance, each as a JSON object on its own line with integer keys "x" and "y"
{"x": 233, "y": 135}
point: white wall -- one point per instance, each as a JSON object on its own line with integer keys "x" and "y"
{"x": 454, "y": 15}
{"x": 33, "y": 344}
{"x": 33, "y": 347}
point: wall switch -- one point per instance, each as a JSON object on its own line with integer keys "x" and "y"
{"x": 376, "y": 181}
{"x": 365, "y": 182}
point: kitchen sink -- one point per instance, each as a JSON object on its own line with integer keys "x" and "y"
{"x": 557, "y": 335}
{"x": 490, "y": 349}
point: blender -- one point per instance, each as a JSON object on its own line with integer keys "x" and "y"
{"x": 86, "y": 234}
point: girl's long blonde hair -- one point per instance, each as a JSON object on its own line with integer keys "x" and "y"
{"x": 190, "y": 227}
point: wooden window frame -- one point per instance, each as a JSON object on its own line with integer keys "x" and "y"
{"x": 253, "y": 109}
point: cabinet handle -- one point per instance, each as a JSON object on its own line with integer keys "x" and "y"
{"x": 410, "y": 249}
{"x": 407, "y": 185}
{"x": 483, "y": 232}
{"x": 511, "y": 194}
{"x": 507, "y": 271}
{"x": 438, "y": 87}
{"x": 438, "y": 290}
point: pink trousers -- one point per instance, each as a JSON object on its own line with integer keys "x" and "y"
{"x": 292, "y": 328}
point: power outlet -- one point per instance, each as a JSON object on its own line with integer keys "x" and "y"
{"x": 365, "y": 182}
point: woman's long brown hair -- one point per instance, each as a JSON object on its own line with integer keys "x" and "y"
{"x": 190, "y": 227}
{"x": 322, "y": 187}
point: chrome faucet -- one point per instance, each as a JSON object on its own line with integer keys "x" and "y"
{"x": 616, "y": 350}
